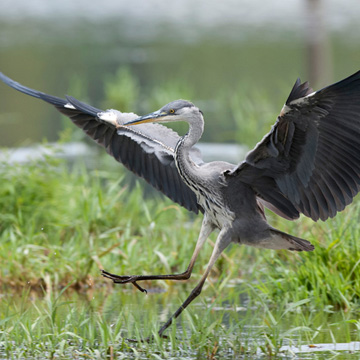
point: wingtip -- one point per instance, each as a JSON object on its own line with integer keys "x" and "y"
{"x": 7, "y": 80}
{"x": 19, "y": 87}
{"x": 299, "y": 90}
{"x": 81, "y": 106}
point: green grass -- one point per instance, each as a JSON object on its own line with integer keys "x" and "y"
{"x": 60, "y": 225}
{"x": 97, "y": 326}
{"x": 330, "y": 274}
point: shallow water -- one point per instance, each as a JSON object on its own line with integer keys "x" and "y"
{"x": 239, "y": 320}
{"x": 209, "y": 49}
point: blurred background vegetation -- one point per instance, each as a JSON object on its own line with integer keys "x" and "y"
{"x": 236, "y": 60}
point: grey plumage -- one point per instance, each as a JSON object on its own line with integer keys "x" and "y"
{"x": 308, "y": 163}
{"x": 311, "y": 158}
{"x": 147, "y": 150}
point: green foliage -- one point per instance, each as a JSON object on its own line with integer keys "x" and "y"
{"x": 252, "y": 115}
{"x": 100, "y": 324}
{"x": 247, "y": 111}
{"x": 171, "y": 90}
{"x": 330, "y": 274}
{"x": 60, "y": 225}
{"x": 122, "y": 91}
{"x": 59, "y": 222}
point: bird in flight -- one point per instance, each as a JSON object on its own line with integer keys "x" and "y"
{"x": 309, "y": 163}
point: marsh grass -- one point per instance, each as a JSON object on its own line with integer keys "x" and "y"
{"x": 329, "y": 276}
{"x": 64, "y": 224}
{"x": 97, "y": 327}
{"x": 59, "y": 225}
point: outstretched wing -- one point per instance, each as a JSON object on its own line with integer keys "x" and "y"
{"x": 147, "y": 150}
{"x": 310, "y": 160}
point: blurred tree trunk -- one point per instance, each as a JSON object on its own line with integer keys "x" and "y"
{"x": 319, "y": 61}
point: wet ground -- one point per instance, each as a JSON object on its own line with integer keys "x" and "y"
{"x": 241, "y": 323}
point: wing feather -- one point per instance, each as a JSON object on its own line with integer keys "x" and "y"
{"x": 147, "y": 151}
{"x": 310, "y": 160}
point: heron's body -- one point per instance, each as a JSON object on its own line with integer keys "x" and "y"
{"x": 237, "y": 213}
{"x": 205, "y": 180}
{"x": 308, "y": 163}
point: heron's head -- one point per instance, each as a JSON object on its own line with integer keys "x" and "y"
{"x": 178, "y": 110}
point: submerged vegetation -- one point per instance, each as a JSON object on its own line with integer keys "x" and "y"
{"x": 60, "y": 224}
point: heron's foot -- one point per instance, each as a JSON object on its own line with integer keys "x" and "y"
{"x": 123, "y": 279}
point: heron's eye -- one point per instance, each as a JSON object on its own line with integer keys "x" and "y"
{"x": 171, "y": 111}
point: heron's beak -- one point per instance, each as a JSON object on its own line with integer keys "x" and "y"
{"x": 155, "y": 116}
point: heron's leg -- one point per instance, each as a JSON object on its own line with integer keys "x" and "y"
{"x": 222, "y": 242}
{"x": 206, "y": 230}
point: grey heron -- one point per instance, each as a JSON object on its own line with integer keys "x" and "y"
{"x": 309, "y": 163}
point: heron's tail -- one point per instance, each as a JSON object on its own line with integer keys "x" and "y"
{"x": 283, "y": 240}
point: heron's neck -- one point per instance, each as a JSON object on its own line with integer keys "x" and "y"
{"x": 186, "y": 166}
